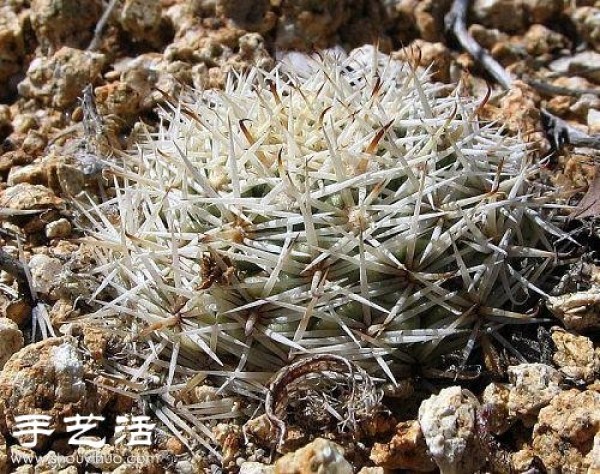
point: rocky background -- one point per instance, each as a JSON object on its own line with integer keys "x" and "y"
{"x": 539, "y": 415}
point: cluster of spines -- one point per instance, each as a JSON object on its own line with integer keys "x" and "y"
{"x": 354, "y": 209}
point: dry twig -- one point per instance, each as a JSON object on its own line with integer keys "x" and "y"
{"x": 17, "y": 269}
{"x": 95, "y": 43}
{"x": 557, "y": 130}
{"x": 561, "y": 133}
{"x": 456, "y": 22}
{"x": 551, "y": 89}
{"x": 362, "y": 399}
{"x": 590, "y": 203}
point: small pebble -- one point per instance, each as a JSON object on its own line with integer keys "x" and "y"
{"x": 184, "y": 467}
{"x": 58, "y": 229}
{"x": 44, "y": 272}
{"x": 22, "y": 123}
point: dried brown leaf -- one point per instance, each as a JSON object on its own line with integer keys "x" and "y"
{"x": 590, "y": 204}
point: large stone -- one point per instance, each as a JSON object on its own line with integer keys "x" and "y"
{"x": 305, "y": 25}
{"x": 254, "y": 15}
{"x": 52, "y": 378}
{"x": 406, "y": 450}
{"x": 59, "y": 23}
{"x": 533, "y": 386}
{"x": 575, "y": 356}
{"x": 565, "y": 432}
{"x": 12, "y": 48}
{"x": 542, "y": 11}
{"x": 59, "y": 80}
{"x": 11, "y": 340}
{"x": 587, "y": 23}
{"x": 448, "y": 424}
{"x": 27, "y": 197}
{"x": 578, "y": 311}
{"x": 505, "y": 15}
{"x": 321, "y": 456}
{"x": 513, "y": 16}
{"x": 585, "y": 64}
{"x": 45, "y": 272}
{"x": 142, "y": 20}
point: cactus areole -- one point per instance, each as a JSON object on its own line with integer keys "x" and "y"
{"x": 344, "y": 205}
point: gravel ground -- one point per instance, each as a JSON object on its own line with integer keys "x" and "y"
{"x": 539, "y": 412}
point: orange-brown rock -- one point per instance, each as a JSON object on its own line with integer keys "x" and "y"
{"x": 322, "y": 456}
{"x": 406, "y": 450}
{"x": 53, "y": 378}
{"x": 564, "y": 435}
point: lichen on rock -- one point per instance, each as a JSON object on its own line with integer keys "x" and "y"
{"x": 448, "y": 424}
{"x": 52, "y": 378}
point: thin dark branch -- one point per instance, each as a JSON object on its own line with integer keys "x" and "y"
{"x": 95, "y": 43}
{"x": 456, "y": 22}
{"x": 551, "y": 89}
{"x": 554, "y": 75}
{"x": 17, "y": 269}
{"x": 561, "y": 133}
{"x": 557, "y": 130}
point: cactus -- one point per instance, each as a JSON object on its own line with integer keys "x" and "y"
{"x": 345, "y": 205}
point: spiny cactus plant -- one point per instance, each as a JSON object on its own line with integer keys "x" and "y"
{"x": 346, "y": 205}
